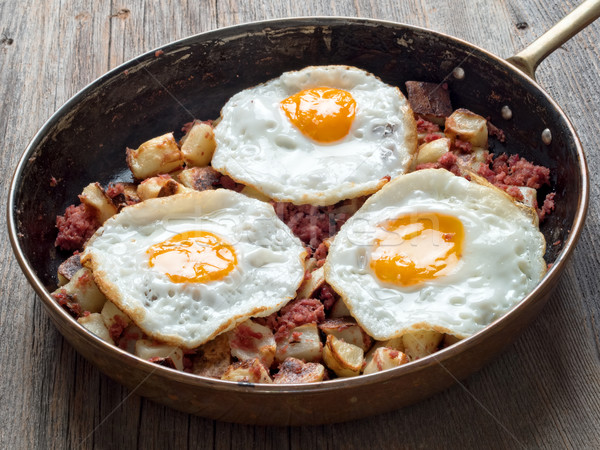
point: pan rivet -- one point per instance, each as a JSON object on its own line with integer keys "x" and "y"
{"x": 546, "y": 136}
{"x": 459, "y": 73}
{"x": 506, "y": 112}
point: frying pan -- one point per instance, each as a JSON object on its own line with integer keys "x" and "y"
{"x": 84, "y": 141}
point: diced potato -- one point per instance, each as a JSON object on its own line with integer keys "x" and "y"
{"x": 129, "y": 337}
{"x": 384, "y": 358}
{"x": 94, "y": 324}
{"x": 213, "y": 358}
{"x": 94, "y": 196}
{"x": 250, "y": 340}
{"x": 293, "y": 370}
{"x": 529, "y": 196}
{"x": 308, "y": 287}
{"x": 160, "y": 186}
{"x": 149, "y": 350}
{"x": 339, "y": 309}
{"x": 68, "y": 269}
{"x": 199, "y": 178}
{"x": 251, "y": 192}
{"x": 432, "y": 151}
{"x": 467, "y": 126}
{"x": 84, "y": 291}
{"x": 418, "y": 344}
{"x": 114, "y": 316}
{"x": 450, "y": 340}
{"x": 249, "y": 371}
{"x": 198, "y": 145}
{"x": 348, "y": 330}
{"x": 302, "y": 343}
{"x": 158, "y": 155}
{"x": 129, "y": 195}
{"x": 345, "y": 359}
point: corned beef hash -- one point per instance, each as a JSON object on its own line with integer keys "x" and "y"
{"x": 324, "y": 226}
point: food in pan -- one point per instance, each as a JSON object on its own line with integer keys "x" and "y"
{"x": 287, "y": 292}
{"x": 316, "y": 136}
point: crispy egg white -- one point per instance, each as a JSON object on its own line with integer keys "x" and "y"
{"x": 434, "y": 251}
{"x": 188, "y": 267}
{"x": 316, "y": 136}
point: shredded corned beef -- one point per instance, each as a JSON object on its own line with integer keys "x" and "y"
{"x": 320, "y": 254}
{"x": 514, "y": 171}
{"x": 425, "y": 126}
{"x": 165, "y": 362}
{"x": 68, "y": 303}
{"x": 462, "y": 146}
{"x": 116, "y": 192}
{"x": 116, "y": 329}
{"x": 296, "y": 313}
{"x": 496, "y": 132}
{"x": 75, "y": 227}
{"x": 448, "y": 161}
{"x": 547, "y": 206}
{"x": 327, "y": 296}
{"x": 312, "y": 224}
{"x": 433, "y": 137}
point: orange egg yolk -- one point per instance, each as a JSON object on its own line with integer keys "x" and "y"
{"x": 322, "y": 114}
{"x": 417, "y": 247}
{"x": 193, "y": 257}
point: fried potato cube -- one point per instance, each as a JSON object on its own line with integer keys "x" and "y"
{"x": 419, "y": 344}
{"x": 348, "y": 330}
{"x": 310, "y": 285}
{"x": 198, "y": 145}
{"x": 94, "y": 196}
{"x": 249, "y": 371}
{"x": 159, "y": 186}
{"x": 345, "y": 359}
{"x": 430, "y": 100}
{"x": 467, "y": 126}
{"x": 250, "y": 340}
{"x": 84, "y": 291}
{"x": 252, "y": 192}
{"x": 384, "y": 358}
{"x": 302, "y": 343}
{"x": 158, "y": 155}
{"x": 293, "y": 370}
{"x": 339, "y": 309}
{"x": 94, "y": 324}
{"x": 200, "y": 178}
{"x": 68, "y": 268}
{"x": 213, "y": 358}
{"x": 154, "y": 352}
{"x": 432, "y": 151}
{"x": 113, "y": 316}
{"x": 529, "y": 196}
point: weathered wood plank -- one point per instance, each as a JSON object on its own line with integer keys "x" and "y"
{"x": 544, "y": 392}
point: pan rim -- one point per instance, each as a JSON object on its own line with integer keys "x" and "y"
{"x": 234, "y": 32}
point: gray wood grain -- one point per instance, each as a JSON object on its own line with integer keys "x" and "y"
{"x": 543, "y": 392}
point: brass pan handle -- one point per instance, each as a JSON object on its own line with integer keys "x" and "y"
{"x": 530, "y": 57}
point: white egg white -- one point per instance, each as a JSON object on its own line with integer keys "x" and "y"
{"x": 270, "y": 265}
{"x": 257, "y": 145}
{"x": 502, "y": 258}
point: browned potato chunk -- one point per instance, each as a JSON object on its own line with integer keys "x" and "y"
{"x": 309, "y": 286}
{"x": 345, "y": 359}
{"x": 418, "y": 344}
{"x": 94, "y": 324}
{"x": 302, "y": 343}
{"x": 213, "y": 358}
{"x": 113, "y": 316}
{"x": 339, "y": 309}
{"x": 249, "y": 371}
{"x": 127, "y": 197}
{"x": 68, "y": 268}
{"x": 153, "y": 352}
{"x": 200, "y": 178}
{"x": 158, "y": 155}
{"x": 250, "y": 340}
{"x": 93, "y": 195}
{"x": 160, "y": 186}
{"x": 529, "y": 196}
{"x": 348, "y": 330}
{"x": 198, "y": 145}
{"x": 293, "y": 370}
{"x": 251, "y": 192}
{"x": 430, "y": 100}
{"x": 467, "y": 126}
{"x": 84, "y": 291}
{"x": 384, "y": 358}
{"x": 432, "y": 151}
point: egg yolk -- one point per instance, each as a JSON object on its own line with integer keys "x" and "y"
{"x": 417, "y": 248}
{"x": 322, "y": 114}
{"x": 193, "y": 257}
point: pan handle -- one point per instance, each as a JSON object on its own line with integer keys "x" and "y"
{"x": 530, "y": 57}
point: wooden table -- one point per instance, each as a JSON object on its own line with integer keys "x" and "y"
{"x": 544, "y": 392}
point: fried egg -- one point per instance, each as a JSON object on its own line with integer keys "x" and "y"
{"x": 188, "y": 267}
{"x": 316, "y": 136}
{"x": 434, "y": 251}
